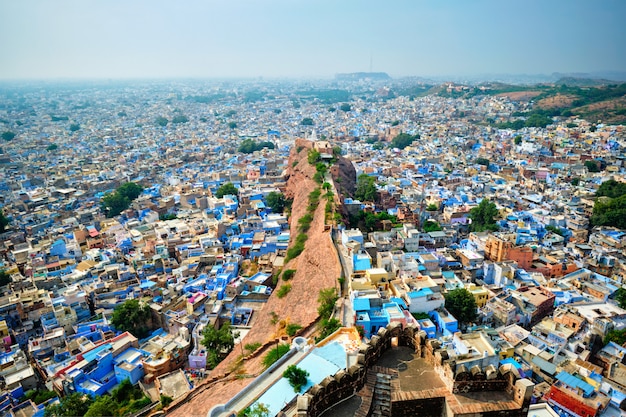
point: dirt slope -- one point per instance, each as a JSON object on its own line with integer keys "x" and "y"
{"x": 317, "y": 268}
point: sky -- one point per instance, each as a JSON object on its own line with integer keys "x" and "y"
{"x": 111, "y": 39}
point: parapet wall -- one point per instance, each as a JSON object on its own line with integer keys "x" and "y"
{"x": 457, "y": 380}
{"x": 346, "y": 383}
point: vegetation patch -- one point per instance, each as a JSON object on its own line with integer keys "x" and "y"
{"x": 283, "y": 291}
{"x": 275, "y": 354}
{"x": 288, "y": 274}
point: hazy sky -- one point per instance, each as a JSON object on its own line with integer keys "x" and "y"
{"x": 294, "y": 38}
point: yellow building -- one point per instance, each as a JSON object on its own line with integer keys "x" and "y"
{"x": 480, "y": 293}
{"x": 4, "y": 329}
{"x": 374, "y": 279}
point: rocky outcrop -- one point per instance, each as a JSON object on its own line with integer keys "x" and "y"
{"x": 317, "y": 267}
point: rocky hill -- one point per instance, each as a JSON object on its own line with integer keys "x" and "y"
{"x": 317, "y": 267}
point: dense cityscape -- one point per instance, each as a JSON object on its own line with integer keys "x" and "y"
{"x": 356, "y": 246}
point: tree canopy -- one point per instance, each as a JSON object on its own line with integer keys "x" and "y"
{"x": 365, "y": 188}
{"x": 612, "y": 189}
{"x": 403, "y": 140}
{"x": 592, "y": 166}
{"x": 5, "y": 278}
{"x": 8, "y": 136}
{"x": 161, "y": 121}
{"x": 345, "y": 107}
{"x": 275, "y": 201}
{"x": 307, "y": 121}
{"x": 226, "y": 189}
{"x": 620, "y": 297}
{"x": 462, "y": 305}
{"x": 431, "y": 226}
{"x": 483, "y": 216}
{"x": 219, "y": 342}
{"x": 132, "y": 316}
{"x": 482, "y": 161}
{"x": 119, "y": 200}
{"x": 130, "y": 190}
{"x": 610, "y": 213}
{"x": 297, "y": 377}
{"x": 249, "y": 146}
{"x": 75, "y": 404}
{"x": 74, "y": 127}
{"x": 180, "y": 118}
{"x": 326, "y": 299}
{"x": 256, "y": 410}
{"x": 4, "y": 222}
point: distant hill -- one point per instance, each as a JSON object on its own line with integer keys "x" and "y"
{"x": 356, "y": 76}
{"x": 583, "y": 82}
{"x": 591, "y": 99}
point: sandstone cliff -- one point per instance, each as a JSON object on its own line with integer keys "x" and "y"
{"x": 317, "y": 267}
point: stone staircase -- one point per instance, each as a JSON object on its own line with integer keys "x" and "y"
{"x": 376, "y": 394}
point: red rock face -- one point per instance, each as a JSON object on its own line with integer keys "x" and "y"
{"x": 317, "y": 268}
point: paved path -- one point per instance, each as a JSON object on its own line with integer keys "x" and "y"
{"x": 261, "y": 384}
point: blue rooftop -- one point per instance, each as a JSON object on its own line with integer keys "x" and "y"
{"x": 573, "y": 382}
{"x": 361, "y": 304}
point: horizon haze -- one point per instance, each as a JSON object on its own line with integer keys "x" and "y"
{"x": 71, "y": 39}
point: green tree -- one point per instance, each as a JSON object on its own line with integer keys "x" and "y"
{"x": 166, "y": 400}
{"x": 4, "y": 278}
{"x": 345, "y": 107}
{"x": 326, "y": 302}
{"x": 219, "y": 342}
{"x": 327, "y": 327}
{"x": 297, "y": 377}
{"x": 180, "y": 119}
{"x": 275, "y": 354}
{"x": 103, "y": 406}
{"x": 226, "y": 189}
{"x": 292, "y": 329}
{"x": 161, "y": 121}
{"x": 307, "y": 121}
{"x": 52, "y": 147}
{"x": 431, "y": 226}
{"x": 554, "y": 229}
{"x": 114, "y": 203}
{"x": 119, "y": 200}
{"x": 8, "y": 136}
{"x": 40, "y": 396}
{"x": 483, "y": 216}
{"x": 130, "y": 190}
{"x": 257, "y": 410}
{"x": 249, "y": 146}
{"x": 4, "y": 222}
{"x": 612, "y": 189}
{"x": 592, "y": 166}
{"x": 366, "y": 188}
{"x": 610, "y": 213}
{"x": 462, "y": 305}
{"x": 232, "y": 125}
{"x": 275, "y": 201}
{"x": 517, "y": 139}
{"x": 575, "y": 182}
{"x": 482, "y": 161}
{"x": 132, "y": 316}
{"x": 74, "y": 127}
{"x": 620, "y": 297}
{"x": 403, "y": 140}
{"x": 313, "y": 157}
{"x": 75, "y": 404}
{"x": 615, "y": 336}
